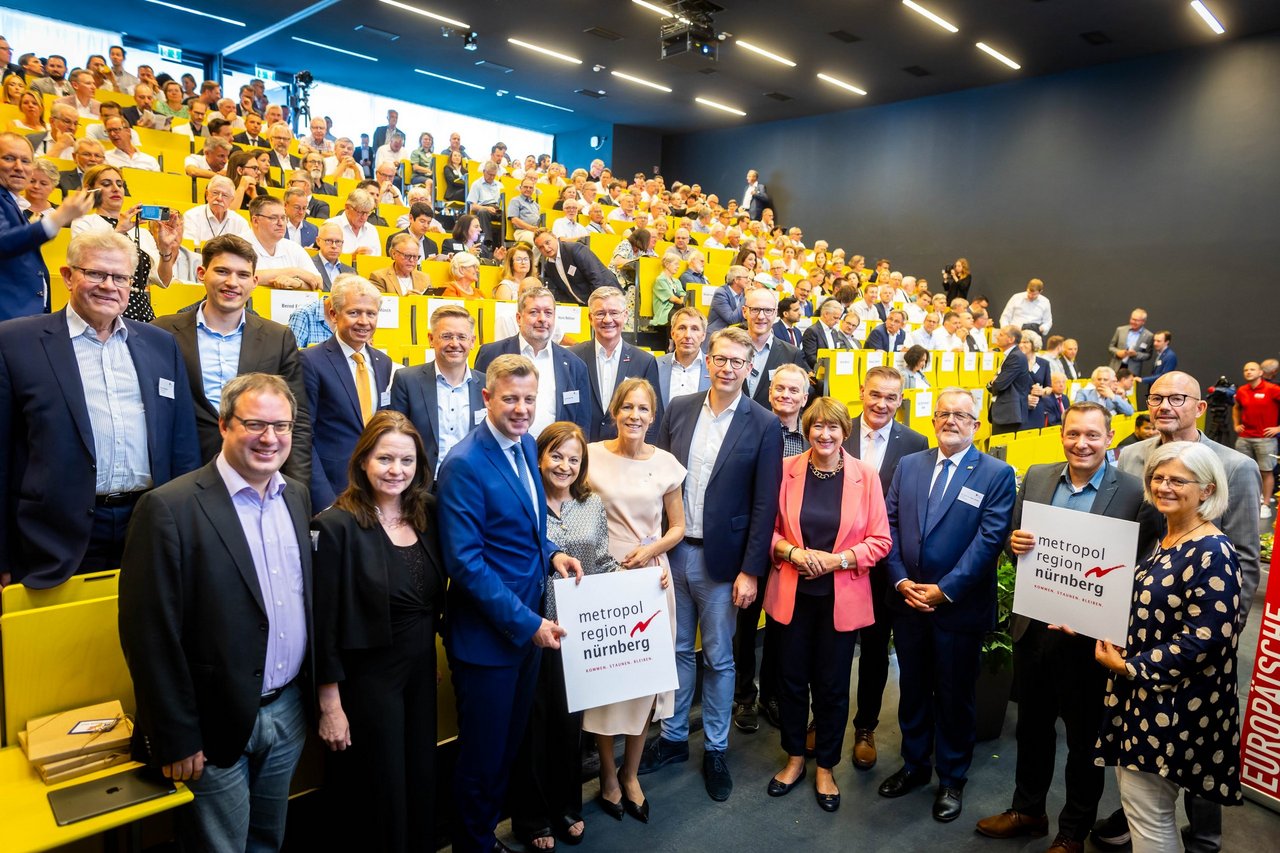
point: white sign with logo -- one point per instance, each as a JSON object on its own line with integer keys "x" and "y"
{"x": 618, "y": 645}
{"x": 1080, "y": 572}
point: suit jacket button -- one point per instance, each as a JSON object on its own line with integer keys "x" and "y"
{"x": 90, "y": 511}
{"x": 262, "y": 627}
{"x": 257, "y": 673}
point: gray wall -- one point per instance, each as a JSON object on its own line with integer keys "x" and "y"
{"x": 1152, "y": 182}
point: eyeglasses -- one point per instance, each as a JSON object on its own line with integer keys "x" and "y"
{"x": 1177, "y": 401}
{"x": 408, "y": 257}
{"x": 762, "y": 312}
{"x": 99, "y": 276}
{"x": 958, "y": 417}
{"x": 722, "y": 360}
{"x": 330, "y": 241}
{"x": 607, "y": 315}
{"x": 274, "y": 220}
{"x": 255, "y": 427}
{"x": 1177, "y": 483}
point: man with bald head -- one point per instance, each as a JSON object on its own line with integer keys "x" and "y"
{"x": 143, "y": 114}
{"x": 1256, "y": 415}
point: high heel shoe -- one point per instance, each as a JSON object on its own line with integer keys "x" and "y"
{"x": 613, "y": 810}
{"x": 638, "y": 811}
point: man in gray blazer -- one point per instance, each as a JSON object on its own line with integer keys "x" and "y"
{"x": 1054, "y": 672}
{"x": 1133, "y": 345}
{"x": 685, "y": 362}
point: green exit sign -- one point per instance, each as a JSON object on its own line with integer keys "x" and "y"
{"x": 171, "y": 53}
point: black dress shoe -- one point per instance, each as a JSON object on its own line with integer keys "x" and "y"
{"x": 613, "y": 810}
{"x": 660, "y": 752}
{"x": 946, "y": 804}
{"x": 904, "y": 782}
{"x": 715, "y": 770}
{"x": 781, "y": 789}
{"x": 827, "y": 802}
{"x": 772, "y": 712}
{"x": 641, "y": 811}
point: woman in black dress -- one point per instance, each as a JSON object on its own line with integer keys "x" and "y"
{"x": 455, "y": 178}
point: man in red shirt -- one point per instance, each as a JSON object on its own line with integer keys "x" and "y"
{"x": 1257, "y": 420}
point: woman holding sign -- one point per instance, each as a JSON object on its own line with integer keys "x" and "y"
{"x": 1172, "y": 711}
{"x": 638, "y": 483}
{"x": 831, "y": 529}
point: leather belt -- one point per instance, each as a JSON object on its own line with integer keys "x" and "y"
{"x": 272, "y": 695}
{"x": 118, "y": 498}
{"x": 694, "y": 540}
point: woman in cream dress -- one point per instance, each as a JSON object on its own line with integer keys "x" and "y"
{"x": 638, "y": 483}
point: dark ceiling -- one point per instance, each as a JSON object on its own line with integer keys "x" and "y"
{"x": 894, "y": 54}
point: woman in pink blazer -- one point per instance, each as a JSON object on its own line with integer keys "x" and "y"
{"x": 831, "y": 529}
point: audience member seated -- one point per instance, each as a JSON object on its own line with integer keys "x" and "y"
{"x": 923, "y": 337}
{"x": 214, "y": 218}
{"x": 1102, "y": 390}
{"x": 40, "y": 183}
{"x": 418, "y": 225}
{"x": 523, "y": 212}
{"x": 484, "y": 199}
{"x": 455, "y": 178}
{"x": 282, "y": 263}
{"x": 358, "y": 236}
{"x": 387, "y": 175}
{"x": 212, "y": 161}
{"x": 296, "y": 227}
{"x": 54, "y": 82}
{"x": 824, "y": 333}
{"x": 82, "y": 88}
{"x": 403, "y": 277}
{"x": 126, "y": 154}
{"x": 464, "y": 277}
{"x": 197, "y": 112}
{"x": 252, "y": 133}
{"x": 916, "y": 361}
{"x": 143, "y": 113}
{"x": 173, "y": 105}
{"x": 516, "y": 267}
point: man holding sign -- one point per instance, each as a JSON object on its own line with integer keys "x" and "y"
{"x": 1055, "y": 674}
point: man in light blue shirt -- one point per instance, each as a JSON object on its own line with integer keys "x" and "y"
{"x": 523, "y": 211}
{"x": 1102, "y": 390}
{"x": 485, "y": 199}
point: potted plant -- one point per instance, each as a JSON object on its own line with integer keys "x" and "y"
{"x": 995, "y": 677}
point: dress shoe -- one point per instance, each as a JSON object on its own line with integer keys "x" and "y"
{"x": 1062, "y": 844}
{"x": 1112, "y": 832}
{"x": 904, "y": 782}
{"x": 660, "y": 752}
{"x": 826, "y": 802}
{"x": 811, "y": 741}
{"x": 864, "y": 748}
{"x": 946, "y": 804}
{"x": 1011, "y": 823}
{"x": 639, "y": 811}
{"x": 772, "y": 712}
{"x": 613, "y": 810}
{"x": 715, "y": 770}
{"x": 781, "y": 789}
{"x": 745, "y": 717}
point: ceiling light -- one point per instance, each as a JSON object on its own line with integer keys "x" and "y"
{"x": 767, "y": 54}
{"x": 424, "y": 13}
{"x": 561, "y": 56}
{"x": 190, "y": 11}
{"x": 991, "y": 51}
{"x": 449, "y": 79}
{"x": 642, "y": 82}
{"x": 916, "y": 7}
{"x": 843, "y": 85}
{"x": 1209, "y": 18}
{"x": 543, "y": 103}
{"x": 335, "y": 49}
{"x": 666, "y": 13}
{"x": 717, "y": 106}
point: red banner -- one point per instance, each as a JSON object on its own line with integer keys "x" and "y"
{"x": 1260, "y": 734}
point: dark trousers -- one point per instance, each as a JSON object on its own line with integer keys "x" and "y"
{"x": 493, "y": 711}
{"x": 546, "y": 779}
{"x": 819, "y": 660}
{"x": 873, "y": 660}
{"x": 487, "y": 222}
{"x": 937, "y": 686}
{"x": 106, "y": 539}
{"x": 744, "y": 652}
{"x": 1056, "y": 676}
{"x": 997, "y": 429}
{"x": 387, "y": 775}
{"x": 1204, "y": 824}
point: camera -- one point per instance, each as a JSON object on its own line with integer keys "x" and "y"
{"x": 153, "y": 213}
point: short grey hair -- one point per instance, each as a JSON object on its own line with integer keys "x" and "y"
{"x": 100, "y": 241}
{"x": 49, "y": 168}
{"x": 361, "y": 201}
{"x": 735, "y": 271}
{"x": 1203, "y": 464}
{"x": 458, "y": 261}
{"x": 607, "y": 291}
{"x": 956, "y": 392}
{"x": 217, "y": 143}
{"x": 349, "y": 287}
{"x": 531, "y": 294}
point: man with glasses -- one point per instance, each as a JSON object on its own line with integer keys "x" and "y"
{"x": 214, "y": 218}
{"x": 316, "y": 209}
{"x": 197, "y": 110}
{"x": 768, "y": 352}
{"x": 571, "y": 271}
{"x": 81, "y": 98}
{"x": 280, "y": 158}
{"x": 732, "y": 448}
{"x": 59, "y": 141}
{"x": 328, "y": 260}
{"x": 358, "y": 236}
{"x": 949, "y": 513}
{"x": 728, "y": 302}
{"x": 125, "y": 155}
{"x": 95, "y": 409}
{"x": 296, "y": 226}
{"x": 610, "y": 360}
{"x": 403, "y": 277}
{"x": 313, "y": 166}
{"x": 282, "y": 263}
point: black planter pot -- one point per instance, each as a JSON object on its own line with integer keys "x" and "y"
{"x": 993, "y": 691}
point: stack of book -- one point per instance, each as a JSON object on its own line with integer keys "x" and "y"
{"x": 77, "y": 742}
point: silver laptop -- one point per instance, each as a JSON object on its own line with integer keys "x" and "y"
{"x": 118, "y": 791}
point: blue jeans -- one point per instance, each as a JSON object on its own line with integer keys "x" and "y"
{"x": 707, "y": 604}
{"x": 243, "y": 807}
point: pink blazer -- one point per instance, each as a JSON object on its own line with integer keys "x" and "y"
{"x": 864, "y": 527}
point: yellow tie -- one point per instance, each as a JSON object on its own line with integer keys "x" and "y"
{"x": 362, "y": 387}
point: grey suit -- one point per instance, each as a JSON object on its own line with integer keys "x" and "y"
{"x": 664, "y": 376}
{"x": 1144, "y": 349}
{"x": 813, "y": 340}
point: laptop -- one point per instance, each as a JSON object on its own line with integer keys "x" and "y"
{"x": 118, "y": 791}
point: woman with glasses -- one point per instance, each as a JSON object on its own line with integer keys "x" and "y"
{"x": 246, "y": 174}
{"x": 1172, "y": 719}
{"x": 379, "y": 595}
{"x": 173, "y": 105}
{"x": 516, "y": 267}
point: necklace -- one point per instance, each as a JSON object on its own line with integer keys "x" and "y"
{"x": 390, "y": 523}
{"x": 826, "y": 475}
{"x": 1164, "y": 547}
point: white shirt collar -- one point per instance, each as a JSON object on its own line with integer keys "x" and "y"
{"x": 76, "y": 325}
{"x": 347, "y": 350}
{"x": 527, "y": 349}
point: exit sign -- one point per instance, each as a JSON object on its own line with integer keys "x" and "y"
{"x": 264, "y": 73}
{"x": 171, "y": 53}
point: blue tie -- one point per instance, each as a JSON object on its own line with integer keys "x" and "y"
{"x": 935, "y": 495}
{"x": 522, "y": 472}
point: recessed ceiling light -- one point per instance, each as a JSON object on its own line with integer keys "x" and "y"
{"x": 767, "y": 54}
{"x": 843, "y": 85}
{"x": 1209, "y": 18}
{"x": 666, "y": 13}
{"x": 991, "y": 51}
{"x": 942, "y": 22}
{"x": 543, "y": 103}
{"x": 191, "y": 11}
{"x": 718, "y": 106}
{"x": 545, "y": 51}
{"x": 335, "y": 49}
{"x": 641, "y": 81}
{"x": 424, "y": 13}
{"x": 450, "y": 79}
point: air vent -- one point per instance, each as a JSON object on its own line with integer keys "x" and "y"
{"x": 778, "y": 96}
{"x": 377, "y": 33}
{"x": 494, "y": 66}
{"x": 1096, "y": 37}
{"x": 844, "y": 36}
{"x": 917, "y": 71}
{"x": 601, "y": 32}
{"x": 708, "y": 71}
{"x": 592, "y": 93}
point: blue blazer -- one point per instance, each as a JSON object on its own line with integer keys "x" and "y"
{"x": 24, "y": 278}
{"x": 584, "y": 270}
{"x": 742, "y": 493}
{"x": 787, "y": 336}
{"x": 959, "y": 548}
{"x": 725, "y": 310}
{"x": 1011, "y": 387}
{"x": 879, "y": 339}
{"x": 47, "y": 477}
{"x": 1046, "y": 412}
{"x": 632, "y": 362}
{"x": 1165, "y": 362}
{"x": 413, "y": 393}
{"x": 308, "y": 234}
{"x": 486, "y": 529}
{"x": 664, "y": 376}
{"x": 335, "y": 412}
{"x": 1041, "y": 374}
{"x": 571, "y": 375}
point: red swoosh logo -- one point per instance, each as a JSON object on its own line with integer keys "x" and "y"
{"x": 1098, "y": 571}
{"x": 641, "y": 626}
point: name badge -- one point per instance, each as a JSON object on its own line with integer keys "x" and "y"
{"x": 166, "y": 388}
{"x": 971, "y": 497}
{"x": 477, "y": 417}
{"x": 572, "y": 269}
{"x": 570, "y": 397}
{"x": 385, "y": 400}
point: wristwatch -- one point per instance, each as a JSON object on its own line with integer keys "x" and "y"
{"x": 844, "y": 561}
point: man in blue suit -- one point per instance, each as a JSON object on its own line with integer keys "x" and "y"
{"x": 298, "y": 229}
{"x": 1166, "y": 360}
{"x": 563, "y": 382}
{"x": 732, "y": 449}
{"x": 347, "y": 380}
{"x": 1012, "y": 384}
{"x": 95, "y": 410}
{"x": 442, "y": 397}
{"x": 493, "y": 531}
{"x": 610, "y": 360}
{"x": 24, "y": 278}
{"x": 889, "y": 336}
{"x": 571, "y": 271}
{"x": 684, "y": 369}
{"x": 728, "y": 301}
{"x": 789, "y": 313}
{"x": 949, "y": 512}
{"x": 328, "y": 259}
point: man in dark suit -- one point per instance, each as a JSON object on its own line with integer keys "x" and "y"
{"x": 824, "y": 333}
{"x": 215, "y": 623}
{"x": 347, "y": 380}
{"x": 1012, "y": 384}
{"x": 785, "y": 328}
{"x": 755, "y": 197}
{"x": 767, "y": 352}
{"x": 493, "y": 531}
{"x": 571, "y": 271}
{"x": 610, "y": 360}
{"x": 949, "y": 512}
{"x": 1131, "y": 346}
{"x": 94, "y": 410}
{"x": 442, "y": 397}
{"x": 24, "y": 278}
{"x": 1055, "y": 672}
{"x": 328, "y": 258}
{"x": 1051, "y": 406}
{"x": 726, "y": 304}
{"x": 383, "y": 132}
{"x": 881, "y": 442}
{"x": 732, "y": 448}
{"x": 220, "y": 340}
{"x": 684, "y": 369}
{"x": 252, "y": 135}
{"x": 421, "y": 216}
{"x": 889, "y": 336}
{"x": 280, "y": 157}
{"x": 563, "y": 381}
{"x": 296, "y": 226}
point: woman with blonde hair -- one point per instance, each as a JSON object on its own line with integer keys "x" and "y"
{"x": 464, "y": 273}
{"x": 516, "y": 267}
